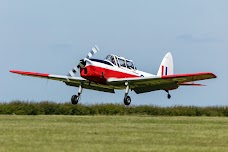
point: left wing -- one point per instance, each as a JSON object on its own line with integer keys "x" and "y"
{"x": 68, "y": 80}
{"x": 169, "y": 82}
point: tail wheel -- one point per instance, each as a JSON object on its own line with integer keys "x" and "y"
{"x": 74, "y": 99}
{"x": 168, "y": 96}
{"x": 127, "y": 100}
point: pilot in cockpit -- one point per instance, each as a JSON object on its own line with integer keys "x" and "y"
{"x": 113, "y": 60}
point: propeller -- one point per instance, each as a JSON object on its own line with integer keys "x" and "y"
{"x": 82, "y": 62}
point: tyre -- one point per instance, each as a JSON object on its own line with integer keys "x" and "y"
{"x": 169, "y": 96}
{"x": 74, "y": 99}
{"x": 127, "y": 100}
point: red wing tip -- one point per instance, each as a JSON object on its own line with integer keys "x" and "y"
{"x": 30, "y": 73}
{"x": 14, "y": 71}
{"x": 191, "y": 74}
{"x": 210, "y": 73}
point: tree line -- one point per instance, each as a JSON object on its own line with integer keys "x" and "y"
{"x": 53, "y": 108}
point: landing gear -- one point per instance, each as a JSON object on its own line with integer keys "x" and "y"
{"x": 127, "y": 99}
{"x": 168, "y": 95}
{"x": 76, "y": 98}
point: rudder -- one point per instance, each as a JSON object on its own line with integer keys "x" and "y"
{"x": 166, "y": 67}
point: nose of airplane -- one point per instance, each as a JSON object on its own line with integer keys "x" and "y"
{"x": 82, "y": 63}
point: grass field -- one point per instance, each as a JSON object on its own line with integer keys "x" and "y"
{"x": 113, "y": 133}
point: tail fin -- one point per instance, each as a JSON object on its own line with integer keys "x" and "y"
{"x": 166, "y": 67}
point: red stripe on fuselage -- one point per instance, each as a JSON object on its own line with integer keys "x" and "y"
{"x": 100, "y": 74}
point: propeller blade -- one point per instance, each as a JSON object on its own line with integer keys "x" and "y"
{"x": 73, "y": 71}
{"x": 82, "y": 62}
{"x": 94, "y": 50}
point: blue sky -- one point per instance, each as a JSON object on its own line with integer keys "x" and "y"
{"x": 50, "y": 36}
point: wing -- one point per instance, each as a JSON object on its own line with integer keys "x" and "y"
{"x": 68, "y": 80}
{"x": 169, "y": 82}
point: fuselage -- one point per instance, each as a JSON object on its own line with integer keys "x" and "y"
{"x": 99, "y": 71}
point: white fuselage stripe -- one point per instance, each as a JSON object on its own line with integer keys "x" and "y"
{"x": 120, "y": 69}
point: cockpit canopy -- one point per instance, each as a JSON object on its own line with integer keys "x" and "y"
{"x": 120, "y": 61}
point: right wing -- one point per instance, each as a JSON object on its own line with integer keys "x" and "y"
{"x": 169, "y": 82}
{"x": 68, "y": 80}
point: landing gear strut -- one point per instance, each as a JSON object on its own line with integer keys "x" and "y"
{"x": 127, "y": 99}
{"x": 76, "y": 98}
{"x": 168, "y": 95}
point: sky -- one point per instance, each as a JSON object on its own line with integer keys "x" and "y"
{"x": 51, "y": 36}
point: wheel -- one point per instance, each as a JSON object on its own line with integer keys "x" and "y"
{"x": 127, "y": 100}
{"x": 168, "y": 96}
{"x": 74, "y": 99}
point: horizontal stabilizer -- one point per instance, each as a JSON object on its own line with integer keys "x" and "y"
{"x": 191, "y": 84}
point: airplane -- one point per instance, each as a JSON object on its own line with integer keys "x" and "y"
{"x": 116, "y": 72}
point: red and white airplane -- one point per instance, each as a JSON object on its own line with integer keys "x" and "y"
{"x": 115, "y": 72}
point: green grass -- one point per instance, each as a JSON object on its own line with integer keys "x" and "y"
{"x": 113, "y": 133}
